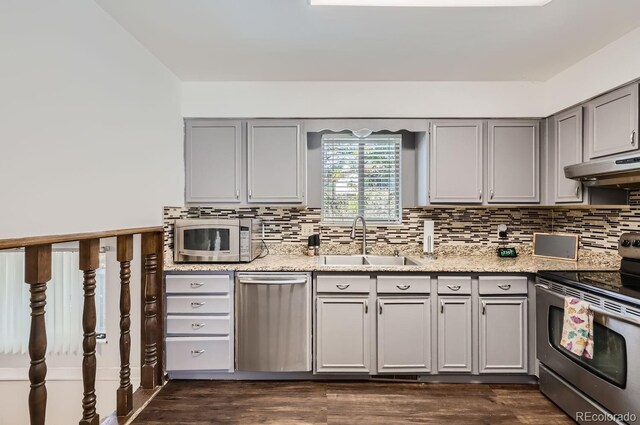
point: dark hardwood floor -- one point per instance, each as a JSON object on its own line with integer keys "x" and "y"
{"x": 234, "y": 402}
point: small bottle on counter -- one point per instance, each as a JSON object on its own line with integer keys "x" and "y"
{"x": 311, "y": 249}
{"x": 317, "y": 244}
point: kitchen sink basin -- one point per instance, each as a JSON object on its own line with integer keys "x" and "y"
{"x": 366, "y": 260}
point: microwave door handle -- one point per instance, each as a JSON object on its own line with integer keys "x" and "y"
{"x": 595, "y": 309}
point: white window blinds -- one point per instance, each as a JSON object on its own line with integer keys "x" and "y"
{"x": 361, "y": 176}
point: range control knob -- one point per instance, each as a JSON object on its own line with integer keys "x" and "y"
{"x": 625, "y": 243}
{"x": 636, "y": 243}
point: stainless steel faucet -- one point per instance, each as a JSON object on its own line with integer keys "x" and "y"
{"x": 364, "y": 232}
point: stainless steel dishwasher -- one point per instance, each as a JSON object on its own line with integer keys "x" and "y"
{"x": 273, "y": 322}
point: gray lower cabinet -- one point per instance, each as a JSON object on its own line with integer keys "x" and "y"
{"x": 456, "y": 162}
{"x": 275, "y": 161}
{"x": 212, "y": 161}
{"x": 568, "y": 151}
{"x": 404, "y": 334}
{"x": 454, "y": 334}
{"x": 503, "y": 335}
{"x": 344, "y": 334}
{"x": 612, "y": 123}
{"x": 513, "y": 161}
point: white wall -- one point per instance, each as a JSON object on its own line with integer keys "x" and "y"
{"x": 613, "y": 65}
{"x": 362, "y": 99}
{"x": 90, "y": 123}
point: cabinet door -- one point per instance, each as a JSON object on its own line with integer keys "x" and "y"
{"x": 568, "y": 151}
{"x": 456, "y": 162}
{"x": 212, "y": 160}
{"x": 454, "y": 334}
{"x": 612, "y": 122}
{"x": 503, "y": 335}
{"x": 343, "y": 335}
{"x": 514, "y": 162}
{"x": 404, "y": 335}
{"x": 276, "y": 161}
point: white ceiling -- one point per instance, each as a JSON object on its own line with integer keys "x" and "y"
{"x": 288, "y": 40}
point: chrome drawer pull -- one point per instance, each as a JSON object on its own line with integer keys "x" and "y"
{"x": 197, "y": 325}
{"x": 196, "y": 284}
{"x": 342, "y": 287}
{"x": 196, "y": 352}
{"x": 454, "y": 287}
{"x": 505, "y": 286}
{"x": 197, "y": 304}
{"x": 403, "y": 287}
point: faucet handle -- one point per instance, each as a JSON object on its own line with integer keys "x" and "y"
{"x": 396, "y": 253}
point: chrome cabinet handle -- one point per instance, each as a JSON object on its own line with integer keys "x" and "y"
{"x": 196, "y": 352}
{"x": 441, "y": 306}
{"x": 491, "y": 194}
{"x": 505, "y": 286}
{"x": 366, "y": 306}
{"x": 484, "y": 307}
{"x": 454, "y": 287}
{"x": 577, "y": 190}
{"x": 237, "y": 193}
{"x": 197, "y": 304}
{"x": 197, "y": 326}
{"x": 343, "y": 286}
{"x": 633, "y": 138}
{"x": 403, "y": 287}
{"x": 480, "y": 196}
{"x": 380, "y": 306}
{"x": 196, "y": 284}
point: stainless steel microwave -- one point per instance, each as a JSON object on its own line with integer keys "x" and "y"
{"x": 217, "y": 240}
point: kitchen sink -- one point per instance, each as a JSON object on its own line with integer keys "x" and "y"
{"x": 367, "y": 260}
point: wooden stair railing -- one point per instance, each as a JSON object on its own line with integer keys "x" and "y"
{"x": 38, "y": 273}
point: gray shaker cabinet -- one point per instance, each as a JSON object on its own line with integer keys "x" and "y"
{"x": 513, "y": 161}
{"x": 503, "y": 335}
{"x": 456, "y": 162}
{"x": 454, "y": 334}
{"x": 276, "y": 161}
{"x": 344, "y": 334}
{"x": 568, "y": 151}
{"x": 612, "y": 123}
{"x": 213, "y": 161}
{"x": 404, "y": 334}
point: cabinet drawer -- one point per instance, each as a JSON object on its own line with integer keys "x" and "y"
{"x": 344, "y": 284}
{"x": 199, "y": 325}
{"x": 198, "y": 284}
{"x": 404, "y": 284}
{"x": 507, "y": 285}
{"x": 206, "y": 304}
{"x": 199, "y": 353}
{"x": 460, "y": 285}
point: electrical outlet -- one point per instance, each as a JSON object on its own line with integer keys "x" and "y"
{"x": 306, "y": 229}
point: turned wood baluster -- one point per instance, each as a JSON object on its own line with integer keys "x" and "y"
{"x": 89, "y": 262}
{"x": 124, "y": 393}
{"x": 150, "y": 357}
{"x": 37, "y": 274}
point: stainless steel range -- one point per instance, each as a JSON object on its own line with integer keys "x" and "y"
{"x": 605, "y": 388}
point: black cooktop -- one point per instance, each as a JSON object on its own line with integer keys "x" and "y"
{"x": 621, "y": 286}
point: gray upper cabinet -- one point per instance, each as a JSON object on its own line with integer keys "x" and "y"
{"x": 343, "y": 337}
{"x": 612, "y": 123}
{"x": 213, "y": 161}
{"x": 513, "y": 161}
{"x": 276, "y": 161}
{"x": 456, "y": 162}
{"x": 567, "y": 128}
{"x": 454, "y": 334}
{"x": 404, "y": 335}
{"x": 503, "y": 335}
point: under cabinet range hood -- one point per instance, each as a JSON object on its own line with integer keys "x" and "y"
{"x": 621, "y": 172}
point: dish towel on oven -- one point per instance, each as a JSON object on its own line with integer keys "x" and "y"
{"x": 577, "y": 327}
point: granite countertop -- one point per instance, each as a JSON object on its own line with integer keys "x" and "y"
{"x": 444, "y": 264}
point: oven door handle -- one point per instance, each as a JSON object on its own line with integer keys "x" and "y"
{"x": 595, "y": 309}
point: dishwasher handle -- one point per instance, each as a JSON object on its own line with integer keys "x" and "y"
{"x": 278, "y": 281}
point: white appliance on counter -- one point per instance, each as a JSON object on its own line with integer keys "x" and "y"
{"x": 428, "y": 237}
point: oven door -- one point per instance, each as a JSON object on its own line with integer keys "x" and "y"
{"x": 611, "y": 378}
{"x": 207, "y": 243}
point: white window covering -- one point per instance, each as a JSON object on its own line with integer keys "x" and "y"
{"x": 361, "y": 176}
{"x": 65, "y": 300}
